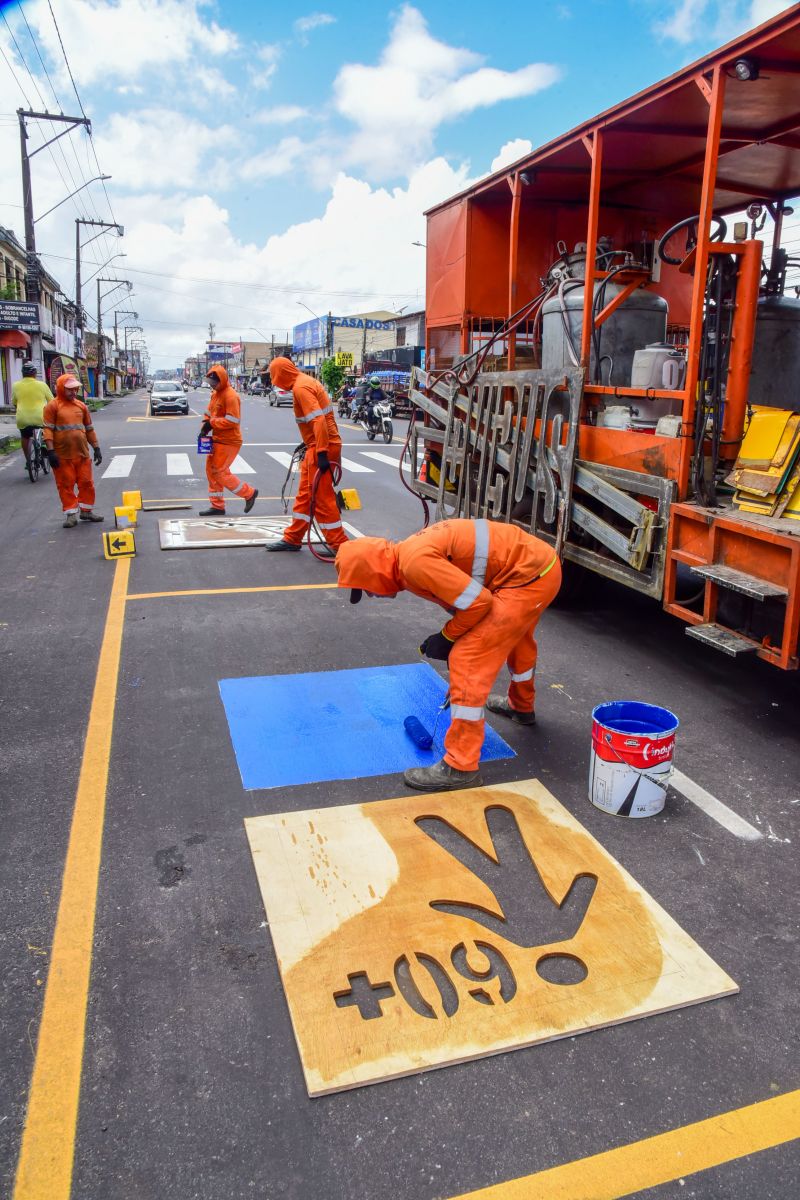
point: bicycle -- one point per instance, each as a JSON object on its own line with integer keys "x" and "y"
{"x": 37, "y": 456}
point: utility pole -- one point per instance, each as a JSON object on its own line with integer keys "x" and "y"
{"x": 32, "y": 288}
{"x": 99, "y": 368}
{"x": 103, "y": 225}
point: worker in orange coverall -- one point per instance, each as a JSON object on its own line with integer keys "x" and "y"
{"x": 222, "y": 420}
{"x": 496, "y": 580}
{"x": 313, "y": 411}
{"x": 68, "y": 434}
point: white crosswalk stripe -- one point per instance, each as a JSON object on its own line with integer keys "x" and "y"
{"x": 280, "y": 457}
{"x": 178, "y": 464}
{"x": 386, "y": 458}
{"x": 240, "y": 467}
{"x": 119, "y": 467}
{"x": 357, "y": 468}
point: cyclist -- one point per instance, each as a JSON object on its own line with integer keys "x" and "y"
{"x": 28, "y": 398}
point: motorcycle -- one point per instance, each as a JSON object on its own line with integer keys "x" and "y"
{"x": 343, "y": 408}
{"x": 376, "y": 419}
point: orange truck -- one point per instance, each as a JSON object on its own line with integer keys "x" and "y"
{"x": 613, "y": 349}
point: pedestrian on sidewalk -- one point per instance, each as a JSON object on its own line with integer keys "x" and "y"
{"x": 223, "y": 420}
{"x": 313, "y": 411}
{"x": 69, "y": 435}
{"x": 495, "y": 580}
{"x": 28, "y": 398}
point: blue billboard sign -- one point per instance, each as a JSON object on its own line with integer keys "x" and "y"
{"x": 311, "y": 335}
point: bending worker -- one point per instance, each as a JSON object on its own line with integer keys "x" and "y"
{"x": 68, "y": 434}
{"x": 496, "y": 580}
{"x": 313, "y": 411}
{"x": 222, "y": 420}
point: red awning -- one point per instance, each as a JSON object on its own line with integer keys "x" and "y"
{"x": 14, "y": 339}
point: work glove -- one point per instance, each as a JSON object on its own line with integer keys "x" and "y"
{"x": 205, "y": 429}
{"x": 438, "y": 645}
{"x": 53, "y": 459}
{"x": 323, "y": 463}
{"x": 98, "y": 457}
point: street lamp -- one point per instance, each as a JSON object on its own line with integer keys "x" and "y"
{"x": 99, "y": 368}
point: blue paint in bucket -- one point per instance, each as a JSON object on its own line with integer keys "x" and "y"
{"x": 632, "y": 745}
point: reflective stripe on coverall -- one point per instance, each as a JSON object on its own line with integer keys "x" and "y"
{"x": 67, "y": 429}
{"x": 224, "y": 413}
{"x": 497, "y": 581}
{"x": 313, "y": 412}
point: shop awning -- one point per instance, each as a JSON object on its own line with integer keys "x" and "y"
{"x": 14, "y": 339}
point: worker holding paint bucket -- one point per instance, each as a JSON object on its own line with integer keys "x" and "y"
{"x": 222, "y": 422}
{"x": 496, "y": 581}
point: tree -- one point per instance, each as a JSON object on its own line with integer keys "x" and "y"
{"x": 332, "y": 375}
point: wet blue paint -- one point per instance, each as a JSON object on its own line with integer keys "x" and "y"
{"x": 294, "y": 729}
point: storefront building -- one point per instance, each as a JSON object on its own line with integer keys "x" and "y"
{"x": 19, "y": 325}
{"x": 349, "y": 339}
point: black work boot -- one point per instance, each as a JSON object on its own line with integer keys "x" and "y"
{"x": 441, "y": 777}
{"x": 71, "y": 521}
{"x": 248, "y": 504}
{"x": 88, "y": 515}
{"x": 283, "y": 546}
{"x": 501, "y": 706}
{"x": 212, "y": 512}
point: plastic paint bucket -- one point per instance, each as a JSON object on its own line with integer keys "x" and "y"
{"x": 632, "y": 746}
{"x": 203, "y": 445}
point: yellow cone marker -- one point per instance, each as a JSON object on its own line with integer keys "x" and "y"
{"x": 119, "y": 543}
{"x": 125, "y": 515}
{"x": 132, "y": 500}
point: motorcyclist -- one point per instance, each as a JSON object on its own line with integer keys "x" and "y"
{"x": 358, "y": 398}
{"x": 375, "y": 395}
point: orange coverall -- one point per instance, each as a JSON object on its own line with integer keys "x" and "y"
{"x": 224, "y": 412}
{"x": 313, "y": 412}
{"x": 496, "y": 580}
{"x": 67, "y": 428}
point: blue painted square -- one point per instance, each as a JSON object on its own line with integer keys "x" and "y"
{"x": 292, "y": 729}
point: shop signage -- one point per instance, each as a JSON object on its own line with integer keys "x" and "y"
{"x": 344, "y": 359}
{"x": 18, "y": 314}
{"x": 359, "y": 323}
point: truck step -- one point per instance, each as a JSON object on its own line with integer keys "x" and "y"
{"x": 740, "y": 581}
{"x": 722, "y": 639}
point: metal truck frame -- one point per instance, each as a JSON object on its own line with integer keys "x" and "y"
{"x": 519, "y": 443}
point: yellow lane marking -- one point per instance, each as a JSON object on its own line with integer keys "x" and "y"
{"x": 284, "y": 587}
{"x": 629, "y": 1170}
{"x": 44, "y": 1170}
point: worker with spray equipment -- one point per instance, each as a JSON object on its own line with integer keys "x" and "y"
{"x": 223, "y": 420}
{"x": 316, "y": 498}
{"x": 496, "y": 580}
{"x": 69, "y": 435}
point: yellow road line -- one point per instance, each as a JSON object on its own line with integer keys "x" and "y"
{"x": 628, "y": 1170}
{"x": 44, "y": 1170}
{"x": 233, "y": 591}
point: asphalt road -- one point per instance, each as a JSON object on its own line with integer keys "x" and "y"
{"x": 191, "y": 1083}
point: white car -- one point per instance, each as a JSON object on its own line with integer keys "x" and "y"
{"x": 168, "y": 396}
{"x": 279, "y": 396}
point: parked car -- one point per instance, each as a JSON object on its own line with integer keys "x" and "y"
{"x": 168, "y": 396}
{"x": 279, "y": 396}
{"x": 256, "y": 388}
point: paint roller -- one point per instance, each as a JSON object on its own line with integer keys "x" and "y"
{"x": 417, "y": 731}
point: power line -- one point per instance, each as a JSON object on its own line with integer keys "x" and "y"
{"x": 41, "y": 60}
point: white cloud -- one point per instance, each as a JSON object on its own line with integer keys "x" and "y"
{"x": 304, "y": 25}
{"x": 261, "y": 73}
{"x": 510, "y": 152}
{"x": 274, "y": 161}
{"x": 691, "y": 20}
{"x": 151, "y": 145}
{"x": 129, "y": 38}
{"x": 419, "y": 84}
{"x": 281, "y": 114}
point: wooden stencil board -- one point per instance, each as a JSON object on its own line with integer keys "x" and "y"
{"x": 432, "y": 929}
{"x": 206, "y": 533}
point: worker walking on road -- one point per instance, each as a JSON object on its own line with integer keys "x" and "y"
{"x": 223, "y": 420}
{"x": 313, "y": 411}
{"x": 28, "y": 398}
{"x": 68, "y": 434}
{"x": 497, "y": 581}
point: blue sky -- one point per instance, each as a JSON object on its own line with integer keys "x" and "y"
{"x": 291, "y": 153}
